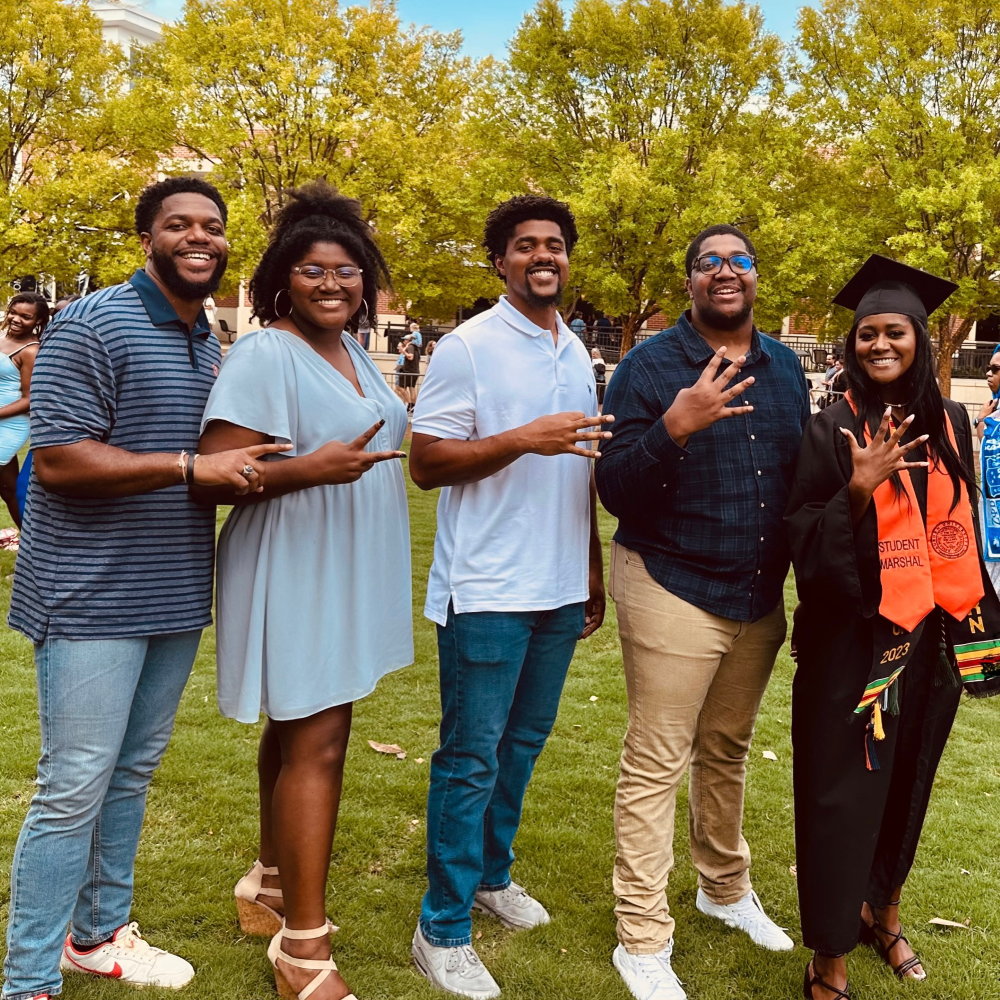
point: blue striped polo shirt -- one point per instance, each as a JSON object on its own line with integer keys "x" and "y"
{"x": 119, "y": 367}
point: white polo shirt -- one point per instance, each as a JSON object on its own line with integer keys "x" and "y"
{"x": 520, "y": 539}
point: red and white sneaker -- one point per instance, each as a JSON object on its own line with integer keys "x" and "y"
{"x": 130, "y": 958}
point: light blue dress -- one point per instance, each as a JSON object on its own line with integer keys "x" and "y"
{"x": 13, "y": 430}
{"x": 314, "y": 603}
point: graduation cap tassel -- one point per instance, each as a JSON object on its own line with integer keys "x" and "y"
{"x": 871, "y": 758}
{"x": 945, "y": 672}
{"x": 892, "y": 699}
{"x": 877, "y": 721}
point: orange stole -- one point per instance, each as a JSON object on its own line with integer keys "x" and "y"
{"x": 923, "y": 565}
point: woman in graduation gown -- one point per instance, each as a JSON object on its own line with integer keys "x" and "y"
{"x": 892, "y": 616}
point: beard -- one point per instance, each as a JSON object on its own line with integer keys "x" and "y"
{"x": 537, "y": 301}
{"x": 166, "y": 268}
{"x": 719, "y": 320}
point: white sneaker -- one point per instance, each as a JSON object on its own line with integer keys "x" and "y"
{"x": 748, "y": 915}
{"x": 512, "y": 906}
{"x": 130, "y": 958}
{"x": 649, "y": 977}
{"x": 457, "y": 970}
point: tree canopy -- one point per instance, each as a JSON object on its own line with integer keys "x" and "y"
{"x": 878, "y": 131}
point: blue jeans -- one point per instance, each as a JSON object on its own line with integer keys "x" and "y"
{"x": 107, "y": 709}
{"x": 502, "y": 675}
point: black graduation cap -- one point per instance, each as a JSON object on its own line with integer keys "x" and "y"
{"x": 882, "y": 285}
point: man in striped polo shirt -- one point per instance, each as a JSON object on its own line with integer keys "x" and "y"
{"x": 114, "y": 586}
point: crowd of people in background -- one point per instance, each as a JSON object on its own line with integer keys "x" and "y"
{"x": 702, "y": 445}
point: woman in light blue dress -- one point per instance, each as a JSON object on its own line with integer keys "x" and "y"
{"x": 27, "y": 314}
{"x": 314, "y": 603}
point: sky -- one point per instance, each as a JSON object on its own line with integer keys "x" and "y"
{"x": 486, "y": 27}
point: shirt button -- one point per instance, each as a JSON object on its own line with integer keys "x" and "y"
{"x": 758, "y": 572}
{"x": 762, "y": 505}
{"x": 762, "y": 538}
{"x": 758, "y": 472}
{"x": 753, "y": 437}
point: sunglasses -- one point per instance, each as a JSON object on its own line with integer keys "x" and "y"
{"x": 711, "y": 263}
{"x": 993, "y": 369}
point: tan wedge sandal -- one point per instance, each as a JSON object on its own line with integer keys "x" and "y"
{"x": 324, "y": 967}
{"x": 257, "y": 918}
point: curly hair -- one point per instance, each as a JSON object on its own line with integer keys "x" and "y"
{"x": 507, "y": 216}
{"x": 317, "y": 213}
{"x": 722, "y": 229}
{"x": 31, "y": 299}
{"x": 152, "y": 198}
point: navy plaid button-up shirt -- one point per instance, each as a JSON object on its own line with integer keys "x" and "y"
{"x": 706, "y": 519}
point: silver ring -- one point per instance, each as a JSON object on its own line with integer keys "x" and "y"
{"x": 248, "y": 471}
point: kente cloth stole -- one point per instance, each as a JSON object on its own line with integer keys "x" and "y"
{"x": 923, "y": 566}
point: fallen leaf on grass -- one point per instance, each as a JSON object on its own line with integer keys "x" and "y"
{"x": 593, "y": 697}
{"x": 392, "y": 748}
{"x": 941, "y": 922}
{"x": 563, "y": 950}
{"x": 420, "y": 760}
{"x": 794, "y": 870}
{"x": 769, "y": 755}
{"x": 479, "y": 935}
{"x": 965, "y": 871}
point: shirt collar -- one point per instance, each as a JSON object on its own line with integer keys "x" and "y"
{"x": 697, "y": 348}
{"x": 515, "y": 318}
{"x": 159, "y": 309}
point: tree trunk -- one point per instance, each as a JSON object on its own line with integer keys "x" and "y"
{"x": 567, "y": 312}
{"x": 630, "y": 323}
{"x": 952, "y": 331}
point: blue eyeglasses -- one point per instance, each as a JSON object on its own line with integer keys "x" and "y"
{"x": 711, "y": 263}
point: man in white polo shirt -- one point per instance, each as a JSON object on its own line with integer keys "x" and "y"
{"x": 505, "y": 422}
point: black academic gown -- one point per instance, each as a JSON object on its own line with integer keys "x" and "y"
{"x": 856, "y": 831}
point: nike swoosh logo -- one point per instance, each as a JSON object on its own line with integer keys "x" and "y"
{"x": 115, "y": 973}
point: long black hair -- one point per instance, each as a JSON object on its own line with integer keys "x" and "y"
{"x": 924, "y": 401}
{"x": 316, "y": 213}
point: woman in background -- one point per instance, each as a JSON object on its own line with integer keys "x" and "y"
{"x": 27, "y": 315}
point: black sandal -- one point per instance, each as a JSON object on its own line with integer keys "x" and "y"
{"x": 868, "y": 936}
{"x": 815, "y": 980}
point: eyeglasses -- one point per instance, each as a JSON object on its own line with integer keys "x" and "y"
{"x": 993, "y": 369}
{"x": 314, "y": 275}
{"x": 711, "y": 263}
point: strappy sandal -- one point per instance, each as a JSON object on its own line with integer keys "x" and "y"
{"x": 868, "y": 936}
{"x": 257, "y": 918}
{"x": 816, "y": 980}
{"x": 324, "y": 967}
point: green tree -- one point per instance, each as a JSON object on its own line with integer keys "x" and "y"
{"x": 906, "y": 101}
{"x": 653, "y": 118}
{"x": 77, "y": 141}
{"x": 279, "y": 92}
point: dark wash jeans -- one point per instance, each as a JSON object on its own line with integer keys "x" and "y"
{"x": 502, "y": 675}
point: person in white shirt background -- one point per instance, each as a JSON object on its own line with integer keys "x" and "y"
{"x": 506, "y": 422}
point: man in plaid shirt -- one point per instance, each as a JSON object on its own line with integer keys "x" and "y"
{"x": 708, "y": 418}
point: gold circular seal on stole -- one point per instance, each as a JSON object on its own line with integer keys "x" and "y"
{"x": 950, "y": 539}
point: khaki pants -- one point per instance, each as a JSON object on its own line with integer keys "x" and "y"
{"x": 695, "y": 682}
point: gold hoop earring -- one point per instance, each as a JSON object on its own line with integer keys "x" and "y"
{"x": 277, "y": 311}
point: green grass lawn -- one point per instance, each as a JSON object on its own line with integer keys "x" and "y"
{"x": 200, "y": 837}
